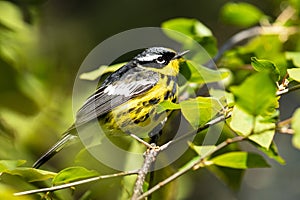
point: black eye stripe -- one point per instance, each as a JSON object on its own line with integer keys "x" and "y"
{"x": 158, "y": 62}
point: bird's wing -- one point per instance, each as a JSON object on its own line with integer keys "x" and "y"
{"x": 118, "y": 88}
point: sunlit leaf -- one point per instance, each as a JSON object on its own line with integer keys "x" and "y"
{"x": 240, "y": 160}
{"x": 191, "y": 30}
{"x": 225, "y": 97}
{"x": 190, "y": 27}
{"x": 31, "y": 174}
{"x": 241, "y": 14}
{"x": 93, "y": 75}
{"x": 199, "y": 110}
{"x": 256, "y": 94}
{"x": 294, "y": 73}
{"x": 11, "y": 15}
{"x": 264, "y": 139}
{"x": 294, "y": 56}
{"x": 296, "y": 128}
{"x": 201, "y": 74}
{"x": 267, "y": 66}
{"x": 167, "y": 105}
{"x": 241, "y": 121}
{"x": 10, "y": 164}
{"x": 262, "y": 131}
{"x": 73, "y": 174}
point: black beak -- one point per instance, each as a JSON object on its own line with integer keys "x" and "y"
{"x": 180, "y": 54}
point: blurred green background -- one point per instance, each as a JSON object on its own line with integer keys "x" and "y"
{"x": 42, "y": 45}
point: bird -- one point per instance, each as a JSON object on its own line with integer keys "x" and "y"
{"x": 127, "y": 99}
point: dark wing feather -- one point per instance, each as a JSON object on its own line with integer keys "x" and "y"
{"x": 129, "y": 83}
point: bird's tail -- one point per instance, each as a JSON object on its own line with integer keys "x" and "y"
{"x": 67, "y": 137}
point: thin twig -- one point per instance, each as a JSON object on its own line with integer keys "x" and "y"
{"x": 288, "y": 90}
{"x": 285, "y": 15}
{"x": 68, "y": 185}
{"x": 205, "y": 126}
{"x": 191, "y": 167}
{"x": 284, "y": 130}
{"x": 149, "y": 146}
{"x": 152, "y": 153}
{"x": 284, "y": 123}
{"x": 150, "y": 157}
{"x": 233, "y": 41}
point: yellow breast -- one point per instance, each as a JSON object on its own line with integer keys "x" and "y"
{"x": 138, "y": 115}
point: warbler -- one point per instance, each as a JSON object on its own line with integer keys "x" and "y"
{"x": 127, "y": 99}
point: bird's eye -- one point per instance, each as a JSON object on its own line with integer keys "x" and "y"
{"x": 160, "y": 60}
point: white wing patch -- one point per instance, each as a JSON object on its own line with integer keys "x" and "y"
{"x": 127, "y": 89}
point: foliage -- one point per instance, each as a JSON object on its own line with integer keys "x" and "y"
{"x": 255, "y": 75}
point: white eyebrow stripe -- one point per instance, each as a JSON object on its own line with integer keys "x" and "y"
{"x": 148, "y": 58}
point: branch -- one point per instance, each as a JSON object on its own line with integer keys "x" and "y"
{"x": 284, "y": 127}
{"x": 195, "y": 165}
{"x": 152, "y": 153}
{"x": 288, "y": 90}
{"x": 150, "y": 157}
{"x": 68, "y": 185}
{"x": 233, "y": 41}
{"x": 285, "y": 15}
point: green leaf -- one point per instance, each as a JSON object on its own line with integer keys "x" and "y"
{"x": 256, "y": 94}
{"x": 226, "y": 98}
{"x": 11, "y": 16}
{"x": 294, "y": 56}
{"x": 203, "y": 151}
{"x": 272, "y": 152}
{"x": 265, "y": 137}
{"x": 241, "y": 14}
{"x": 190, "y": 30}
{"x": 241, "y": 122}
{"x": 265, "y": 65}
{"x": 190, "y": 27}
{"x": 31, "y": 174}
{"x": 240, "y": 160}
{"x": 201, "y": 74}
{"x": 10, "y": 164}
{"x": 262, "y": 131}
{"x": 93, "y": 75}
{"x": 73, "y": 174}
{"x": 294, "y": 73}
{"x": 296, "y": 128}
{"x": 167, "y": 105}
{"x": 206, "y": 107}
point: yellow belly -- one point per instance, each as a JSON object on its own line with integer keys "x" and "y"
{"x": 138, "y": 115}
